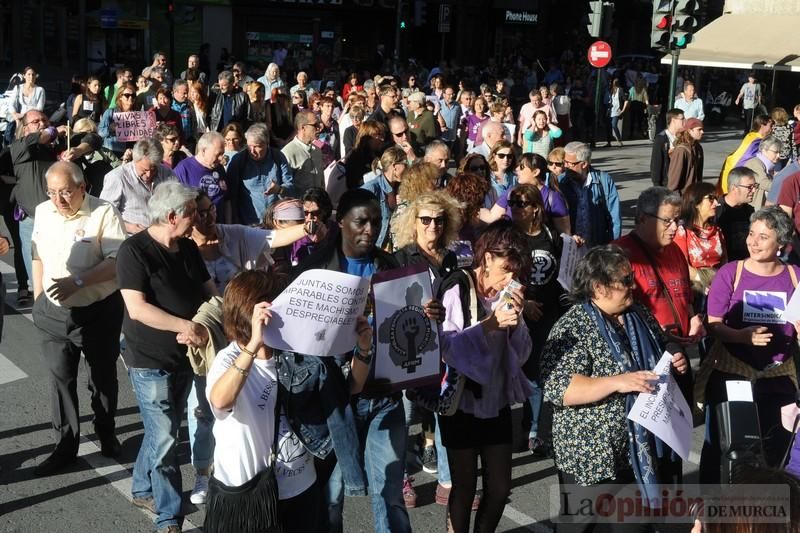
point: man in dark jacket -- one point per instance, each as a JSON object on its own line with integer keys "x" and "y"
{"x": 227, "y": 104}
{"x": 662, "y": 145}
{"x": 37, "y": 147}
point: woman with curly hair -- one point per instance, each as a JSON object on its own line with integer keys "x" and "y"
{"x": 418, "y": 179}
{"x": 470, "y": 190}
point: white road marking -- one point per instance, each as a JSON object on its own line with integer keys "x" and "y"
{"x": 117, "y": 475}
{"x": 9, "y": 371}
{"x": 528, "y": 522}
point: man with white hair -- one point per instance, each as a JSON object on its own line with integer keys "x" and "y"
{"x": 206, "y": 172}
{"x": 128, "y": 187}
{"x": 271, "y": 79}
{"x": 437, "y": 153}
{"x": 302, "y": 85}
{"x": 492, "y": 132}
{"x": 193, "y": 62}
{"x": 259, "y": 176}
{"x": 163, "y": 281}
{"x": 75, "y": 242}
{"x": 304, "y": 158}
{"x": 591, "y": 195}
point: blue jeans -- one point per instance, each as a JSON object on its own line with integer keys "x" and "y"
{"x": 535, "y": 399}
{"x": 161, "y": 396}
{"x": 442, "y": 466}
{"x": 201, "y": 422}
{"x": 382, "y": 431}
{"x": 25, "y": 237}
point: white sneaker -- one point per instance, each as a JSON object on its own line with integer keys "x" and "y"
{"x": 200, "y": 490}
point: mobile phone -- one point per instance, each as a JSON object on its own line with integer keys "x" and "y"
{"x": 313, "y": 226}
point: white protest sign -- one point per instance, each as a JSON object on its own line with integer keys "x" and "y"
{"x": 792, "y": 312}
{"x": 407, "y": 351}
{"x": 316, "y": 314}
{"x": 571, "y": 253}
{"x": 134, "y": 125}
{"x": 665, "y": 412}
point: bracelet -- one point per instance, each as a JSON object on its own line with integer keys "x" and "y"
{"x": 248, "y": 352}
{"x": 242, "y": 371}
{"x": 366, "y": 359}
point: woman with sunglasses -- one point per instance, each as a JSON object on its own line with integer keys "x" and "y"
{"x": 108, "y": 129}
{"x": 700, "y": 238}
{"x": 532, "y": 170}
{"x": 596, "y": 360}
{"x": 502, "y": 177}
{"x": 538, "y": 136}
{"x": 556, "y": 168}
{"x": 299, "y": 102}
{"x": 752, "y": 341}
{"x": 425, "y": 230}
{"x": 543, "y": 293}
{"x": 167, "y": 135}
{"x": 475, "y": 164}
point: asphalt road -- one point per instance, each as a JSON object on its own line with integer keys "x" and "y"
{"x": 93, "y": 495}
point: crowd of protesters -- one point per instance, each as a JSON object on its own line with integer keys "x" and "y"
{"x": 180, "y": 240}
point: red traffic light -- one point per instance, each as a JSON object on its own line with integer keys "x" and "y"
{"x": 170, "y": 7}
{"x": 664, "y": 23}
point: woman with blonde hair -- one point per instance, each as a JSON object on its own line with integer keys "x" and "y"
{"x": 388, "y": 172}
{"x": 418, "y": 179}
{"x": 369, "y": 144}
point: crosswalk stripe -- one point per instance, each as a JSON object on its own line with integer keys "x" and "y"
{"x": 9, "y": 371}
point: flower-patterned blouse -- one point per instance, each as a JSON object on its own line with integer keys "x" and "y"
{"x": 704, "y": 248}
{"x": 591, "y": 440}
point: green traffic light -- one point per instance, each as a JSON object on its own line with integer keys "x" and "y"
{"x": 402, "y": 24}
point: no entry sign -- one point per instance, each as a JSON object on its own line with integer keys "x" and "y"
{"x": 599, "y": 54}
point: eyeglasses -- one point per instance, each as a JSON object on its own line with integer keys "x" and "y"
{"x": 503, "y": 155}
{"x": 666, "y": 221}
{"x": 556, "y": 163}
{"x": 313, "y": 214}
{"x": 571, "y": 163}
{"x": 401, "y": 133}
{"x": 314, "y": 125}
{"x": 426, "y": 221}
{"x": 479, "y": 168}
{"x": 203, "y": 213}
{"x": 66, "y": 195}
{"x": 126, "y": 95}
{"x": 751, "y": 187}
{"x": 522, "y": 204}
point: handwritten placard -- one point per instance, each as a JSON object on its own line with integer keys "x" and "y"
{"x": 134, "y": 125}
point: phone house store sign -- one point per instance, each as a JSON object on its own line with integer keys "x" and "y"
{"x": 521, "y": 17}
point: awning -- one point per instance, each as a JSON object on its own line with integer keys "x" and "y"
{"x": 745, "y": 41}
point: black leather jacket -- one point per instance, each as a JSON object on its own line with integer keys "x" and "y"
{"x": 240, "y": 109}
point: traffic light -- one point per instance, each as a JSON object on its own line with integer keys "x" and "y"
{"x": 420, "y": 12}
{"x": 662, "y": 24}
{"x": 684, "y": 23}
{"x": 403, "y": 25}
{"x": 594, "y": 18}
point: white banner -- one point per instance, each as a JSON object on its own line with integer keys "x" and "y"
{"x": 665, "y": 411}
{"x": 407, "y": 351}
{"x": 571, "y": 253}
{"x": 316, "y": 314}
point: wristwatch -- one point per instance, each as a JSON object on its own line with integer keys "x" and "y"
{"x": 78, "y": 281}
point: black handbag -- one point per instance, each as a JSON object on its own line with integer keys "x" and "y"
{"x": 253, "y": 506}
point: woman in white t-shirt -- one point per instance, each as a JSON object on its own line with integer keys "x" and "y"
{"x": 242, "y": 389}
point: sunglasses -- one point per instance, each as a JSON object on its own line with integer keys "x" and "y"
{"x": 522, "y": 204}
{"x": 503, "y": 155}
{"x": 711, "y": 198}
{"x": 127, "y": 95}
{"x": 401, "y": 133}
{"x": 426, "y": 221}
{"x": 312, "y": 214}
{"x": 556, "y": 163}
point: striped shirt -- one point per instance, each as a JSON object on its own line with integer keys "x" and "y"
{"x": 125, "y": 190}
